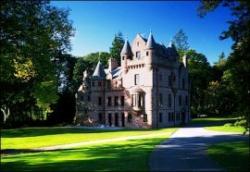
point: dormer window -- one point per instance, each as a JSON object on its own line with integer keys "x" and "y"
{"x": 138, "y": 54}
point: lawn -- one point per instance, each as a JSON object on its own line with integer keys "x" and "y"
{"x": 27, "y": 138}
{"x": 234, "y": 156}
{"x": 218, "y": 124}
{"x": 129, "y": 155}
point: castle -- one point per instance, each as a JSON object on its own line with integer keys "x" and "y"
{"x": 150, "y": 89}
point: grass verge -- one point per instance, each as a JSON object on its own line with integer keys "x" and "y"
{"x": 130, "y": 155}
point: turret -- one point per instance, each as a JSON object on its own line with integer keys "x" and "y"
{"x": 99, "y": 73}
{"x": 150, "y": 47}
{"x": 126, "y": 54}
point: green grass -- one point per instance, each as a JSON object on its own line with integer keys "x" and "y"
{"x": 232, "y": 129}
{"x": 217, "y": 124}
{"x": 130, "y": 155}
{"x": 234, "y": 156}
{"x": 27, "y": 138}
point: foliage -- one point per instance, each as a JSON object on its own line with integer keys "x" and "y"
{"x": 180, "y": 40}
{"x": 199, "y": 73}
{"x": 32, "y": 33}
{"x": 239, "y": 60}
{"x": 116, "y": 48}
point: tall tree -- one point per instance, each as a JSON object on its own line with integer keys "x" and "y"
{"x": 116, "y": 48}
{"x": 32, "y": 34}
{"x": 239, "y": 59}
{"x": 181, "y": 42}
{"x": 199, "y": 73}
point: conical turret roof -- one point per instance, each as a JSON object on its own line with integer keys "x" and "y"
{"x": 126, "y": 50}
{"x": 151, "y": 42}
{"x": 99, "y": 71}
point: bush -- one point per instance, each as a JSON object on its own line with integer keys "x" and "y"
{"x": 241, "y": 123}
{"x": 228, "y": 125}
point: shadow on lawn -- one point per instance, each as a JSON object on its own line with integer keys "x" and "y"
{"x": 122, "y": 156}
{"x": 131, "y": 155}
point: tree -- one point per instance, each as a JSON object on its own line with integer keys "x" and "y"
{"x": 199, "y": 73}
{"x": 180, "y": 40}
{"x": 116, "y": 48}
{"x": 32, "y": 34}
{"x": 239, "y": 60}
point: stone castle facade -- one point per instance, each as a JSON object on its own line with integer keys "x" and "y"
{"x": 150, "y": 89}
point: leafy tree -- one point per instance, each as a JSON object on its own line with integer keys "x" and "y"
{"x": 116, "y": 48}
{"x": 181, "y": 42}
{"x": 239, "y": 59}
{"x": 199, "y": 73}
{"x": 32, "y": 34}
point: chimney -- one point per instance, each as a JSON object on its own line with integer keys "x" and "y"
{"x": 112, "y": 64}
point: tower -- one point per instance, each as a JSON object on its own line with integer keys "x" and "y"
{"x": 126, "y": 54}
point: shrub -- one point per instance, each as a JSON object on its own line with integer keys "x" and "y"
{"x": 228, "y": 125}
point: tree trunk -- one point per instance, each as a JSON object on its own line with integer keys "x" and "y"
{"x": 6, "y": 113}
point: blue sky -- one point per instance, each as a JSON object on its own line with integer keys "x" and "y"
{"x": 97, "y": 22}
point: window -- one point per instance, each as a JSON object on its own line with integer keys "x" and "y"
{"x": 138, "y": 54}
{"x": 160, "y": 117}
{"x": 116, "y": 100}
{"x": 99, "y": 101}
{"x": 109, "y": 101}
{"x": 183, "y": 83}
{"x": 160, "y": 99}
{"x": 146, "y": 53}
{"x": 145, "y": 118}
{"x": 89, "y": 99}
{"x": 129, "y": 118}
{"x": 170, "y": 116}
{"x": 82, "y": 98}
{"x": 160, "y": 77}
{"x": 100, "y": 118}
{"x": 123, "y": 57}
{"x": 178, "y": 115}
{"x": 93, "y": 83}
{"x": 140, "y": 100}
{"x": 169, "y": 100}
{"x": 122, "y": 100}
{"x": 169, "y": 80}
{"x": 109, "y": 84}
{"x": 186, "y": 100}
{"x": 99, "y": 83}
{"x": 137, "y": 79}
{"x": 180, "y": 100}
{"x": 138, "y": 44}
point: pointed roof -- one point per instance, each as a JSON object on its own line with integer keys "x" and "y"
{"x": 126, "y": 48}
{"x": 151, "y": 42}
{"x": 99, "y": 71}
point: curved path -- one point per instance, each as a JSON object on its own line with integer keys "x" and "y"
{"x": 186, "y": 150}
